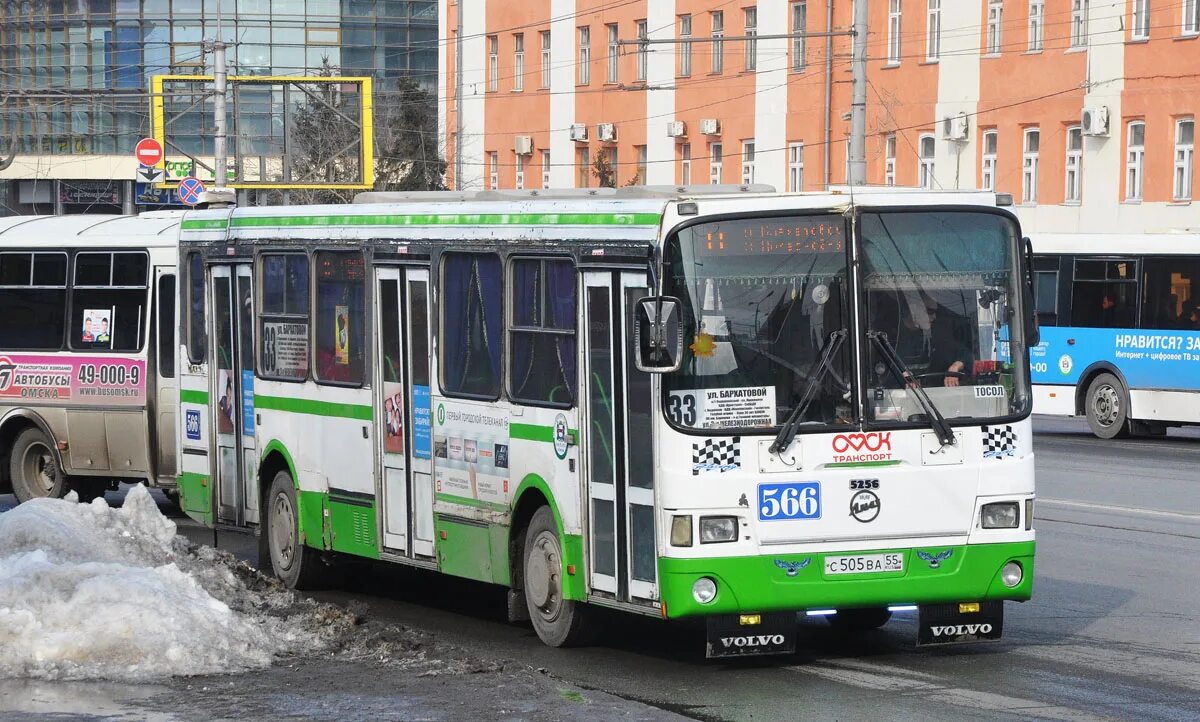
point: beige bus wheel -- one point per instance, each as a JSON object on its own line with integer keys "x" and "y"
{"x": 558, "y": 622}
{"x": 33, "y": 467}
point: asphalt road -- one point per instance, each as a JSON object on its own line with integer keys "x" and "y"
{"x": 1113, "y": 630}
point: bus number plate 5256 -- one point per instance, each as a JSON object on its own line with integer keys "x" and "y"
{"x": 796, "y": 500}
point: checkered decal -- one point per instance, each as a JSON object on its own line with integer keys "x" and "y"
{"x": 718, "y": 455}
{"x": 999, "y": 442}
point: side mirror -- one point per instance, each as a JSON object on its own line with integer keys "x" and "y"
{"x": 657, "y": 334}
{"x": 1033, "y": 332}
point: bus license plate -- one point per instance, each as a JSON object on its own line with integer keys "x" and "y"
{"x": 864, "y": 563}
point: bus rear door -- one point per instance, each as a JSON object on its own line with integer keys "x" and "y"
{"x": 232, "y": 396}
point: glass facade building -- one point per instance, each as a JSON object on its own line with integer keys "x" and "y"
{"x": 75, "y": 74}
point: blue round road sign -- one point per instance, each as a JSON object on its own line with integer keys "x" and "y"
{"x": 189, "y": 190}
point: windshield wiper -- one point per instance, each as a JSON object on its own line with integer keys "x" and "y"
{"x": 888, "y": 353}
{"x": 788, "y": 431}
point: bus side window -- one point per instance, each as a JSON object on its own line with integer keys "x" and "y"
{"x": 1172, "y": 295}
{"x": 1045, "y": 275}
{"x": 165, "y": 308}
{"x": 541, "y": 332}
{"x": 197, "y": 340}
{"x": 472, "y": 323}
{"x": 339, "y": 337}
{"x": 108, "y": 301}
{"x": 33, "y": 294}
{"x": 1104, "y": 294}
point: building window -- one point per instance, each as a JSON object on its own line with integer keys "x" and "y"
{"x": 519, "y": 172}
{"x": 685, "y": 45}
{"x": 493, "y": 80}
{"x": 643, "y": 50}
{"x": 926, "y": 157}
{"x": 751, "y": 15}
{"x": 493, "y": 171}
{"x": 519, "y": 61}
{"x": 609, "y": 179}
{"x": 585, "y": 55}
{"x": 545, "y": 169}
{"x": 718, "y": 45}
{"x": 1191, "y": 17}
{"x": 795, "y": 167}
{"x": 889, "y": 163}
{"x": 991, "y": 140}
{"x": 614, "y": 50}
{"x": 1074, "y": 189}
{"x": 541, "y": 332}
{"x": 640, "y": 178}
{"x": 545, "y": 58}
{"x": 283, "y": 318}
{"x": 582, "y": 168}
{"x": 893, "y": 32}
{"x": 1184, "y": 135}
{"x": 1134, "y": 155}
{"x": 33, "y": 290}
{"x": 715, "y": 156}
{"x": 685, "y": 164}
{"x": 1037, "y": 25}
{"x": 995, "y": 26}
{"x": 933, "y": 30}
{"x": 1079, "y": 11}
{"x": 471, "y": 303}
{"x": 1140, "y": 26}
{"x": 341, "y": 291}
{"x": 1029, "y": 166}
{"x": 799, "y": 27}
{"x": 748, "y": 161}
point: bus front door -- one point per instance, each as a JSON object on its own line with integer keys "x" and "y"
{"x": 619, "y": 453}
{"x": 403, "y": 430}
{"x": 232, "y": 406}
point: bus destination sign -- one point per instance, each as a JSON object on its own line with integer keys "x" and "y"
{"x": 773, "y": 236}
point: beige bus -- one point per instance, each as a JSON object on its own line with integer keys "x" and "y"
{"x": 88, "y": 387}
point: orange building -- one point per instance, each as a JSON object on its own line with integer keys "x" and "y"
{"x": 1083, "y": 111}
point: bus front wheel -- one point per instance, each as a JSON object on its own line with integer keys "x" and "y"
{"x": 296, "y": 565}
{"x": 559, "y": 622}
{"x": 1107, "y": 410}
{"x": 34, "y": 469}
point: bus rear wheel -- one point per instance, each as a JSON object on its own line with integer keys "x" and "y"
{"x": 34, "y": 469}
{"x": 559, "y": 622}
{"x": 859, "y": 620}
{"x": 297, "y": 566}
{"x": 1107, "y": 411}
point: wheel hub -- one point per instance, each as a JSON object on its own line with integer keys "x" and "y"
{"x": 41, "y": 468}
{"x": 542, "y": 575}
{"x": 1106, "y": 405}
{"x": 283, "y": 525}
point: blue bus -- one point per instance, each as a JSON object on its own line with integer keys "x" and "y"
{"x": 1120, "y": 330}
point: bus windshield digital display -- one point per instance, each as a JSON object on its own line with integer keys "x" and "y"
{"x": 780, "y": 236}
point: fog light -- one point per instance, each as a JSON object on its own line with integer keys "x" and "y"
{"x": 716, "y": 529}
{"x": 681, "y": 531}
{"x": 1001, "y": 515}
{"x": 704, "y": 590}
{"x": 1011, "y": 574}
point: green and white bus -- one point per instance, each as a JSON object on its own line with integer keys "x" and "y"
{"x": 682, "y": 402}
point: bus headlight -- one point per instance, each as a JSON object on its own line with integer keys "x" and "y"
{"x": 1001, "y": 515}
{"x": 681, "y": 531}
{"x": 1011, "y": 574}
{"x": 716, "y": 529}
{"x": 704, "y": 590}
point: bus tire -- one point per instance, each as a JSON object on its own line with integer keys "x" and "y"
{"x": 859, "y": 620}
{"x": 1106, "y": 407}
{"x": 296, "y": 565}
{"x": 34, "y": 469}
{"x": 558, "y": 622}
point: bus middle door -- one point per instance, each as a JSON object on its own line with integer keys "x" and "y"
{"x": 232, "y": 399}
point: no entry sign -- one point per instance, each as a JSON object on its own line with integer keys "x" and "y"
{"x": 148, "y": 151}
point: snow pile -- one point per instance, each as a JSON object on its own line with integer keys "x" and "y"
{"x": 87, "y": 591}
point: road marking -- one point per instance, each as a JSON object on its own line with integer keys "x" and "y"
{"x": 1111, "y": 507}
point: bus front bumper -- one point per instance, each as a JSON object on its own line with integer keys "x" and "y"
{"x": 801, "y": 582}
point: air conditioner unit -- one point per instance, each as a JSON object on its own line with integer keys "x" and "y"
{"x": 579, "y": 132}
{"x": 1095, "y": 120}
{"x": 523, "y": 145}
{"x": 676, "y": 129}
{"x": 955, "y": 127}
{"x": 606, "y": 132}
{"x": 710, "y": 126}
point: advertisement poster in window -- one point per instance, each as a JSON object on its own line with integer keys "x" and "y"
{"x": 226, "y": 402}
{"x": 97, "y": 326}
{"x": 475, "y": 461}
{"x": 393, "y": 418}
{"x": 341, "y": 343}
{"x": 78, "y": 380}
{"x": 422, "y": 429}
{"x": 285, "y": 350}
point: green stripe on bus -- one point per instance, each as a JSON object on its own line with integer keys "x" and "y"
{"x": 211, "y": 224}
{"x": 454, "y": 219}
{"x": 533, "y": 432}
{"x": 188, "y": 396}
{"x": 315, "y": 408}
{"x": 467, "y": 501}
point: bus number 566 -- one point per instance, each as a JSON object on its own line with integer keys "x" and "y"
{"x": 799, "y": 500}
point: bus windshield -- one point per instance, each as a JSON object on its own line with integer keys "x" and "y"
{"x": 761, "y": 298}
{"x": 942, "y": 287}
